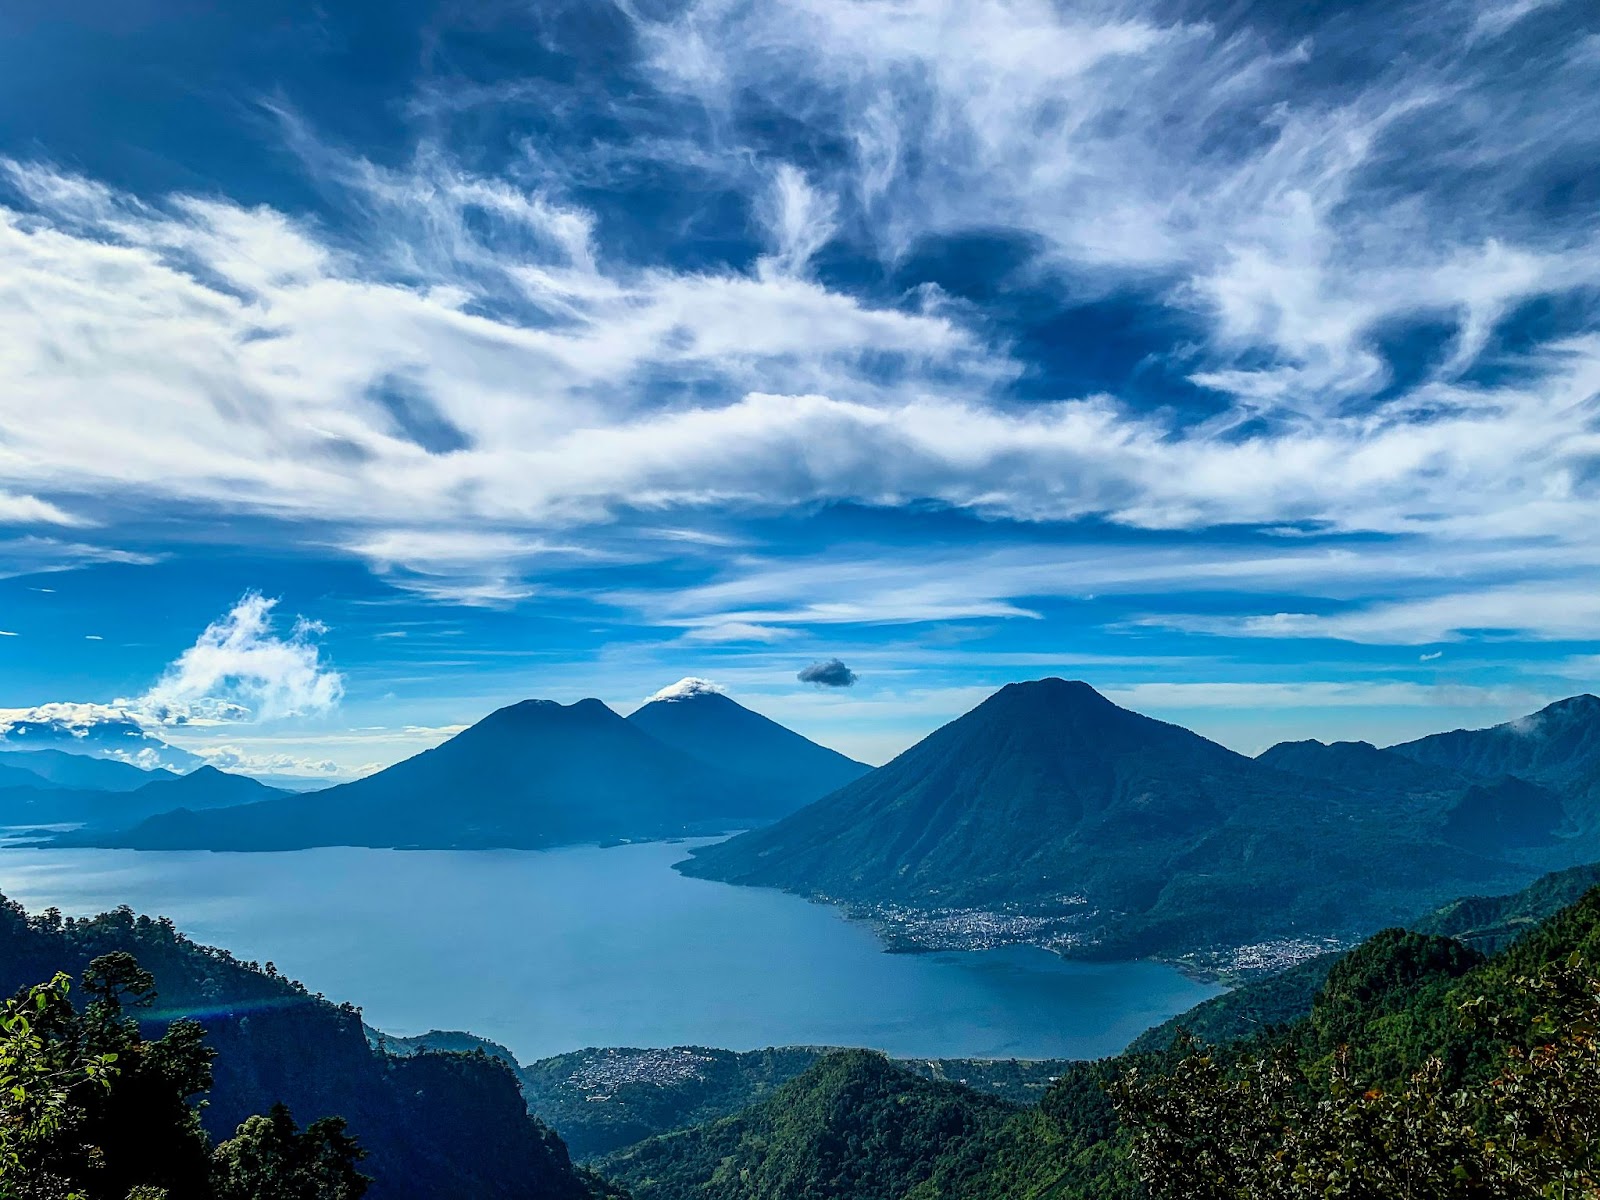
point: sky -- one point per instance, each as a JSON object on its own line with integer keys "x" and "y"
{"x": 367, "y": 366}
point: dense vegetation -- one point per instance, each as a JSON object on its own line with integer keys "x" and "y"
{"x": 601, "y": 1100}
{"x": 1048, "y": 790}
{"x": 1486, "y": 923}
{"x": 852, "y": 1125}
{"x": 1413, "y": 1077}
{"x": 1423, "y": 1069}
{"x": 92, "y": 1108}
{"x": 1248, "y": 1009}
{"x": 432, "y": 1124}
{"x": 1491, "y": 923}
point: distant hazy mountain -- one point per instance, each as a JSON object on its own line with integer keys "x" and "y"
{"x": 1558, "y": 747}
{"x": 18, "y": 776}
{"x": 73, "y": 770}
{"x": 204, "y": 788}
{"x": 92, "y": 731}
{"x": 101, "y": 809}
{"x": 695, "y": 717}
{"x": 533, "y": 774}
{"x": 1048, "y": 789}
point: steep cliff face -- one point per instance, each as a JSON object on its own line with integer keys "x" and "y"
{"x": 433, "y": 1124}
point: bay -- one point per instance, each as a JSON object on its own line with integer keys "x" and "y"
{"x": 558, "y": 950}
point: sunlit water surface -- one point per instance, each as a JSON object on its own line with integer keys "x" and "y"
{"x": 557, "y": 950}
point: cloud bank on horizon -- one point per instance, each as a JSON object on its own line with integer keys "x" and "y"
{"x": 1182, "y": 342}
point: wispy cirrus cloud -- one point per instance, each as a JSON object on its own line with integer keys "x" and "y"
{"x": 469, "y": 380}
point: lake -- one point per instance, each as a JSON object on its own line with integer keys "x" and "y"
{"x": 557, "y": 950}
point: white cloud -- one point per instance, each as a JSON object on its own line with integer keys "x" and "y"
{"x": 1243, "y": 697}
{"x": 1496, "y": 18}
{"x": 463, "y": 389}
{"x": 302, "y": 358}
{"x": 1209, "y": 157}
{"x": 30, "y": 510}
{"x": 240, "y": 669}
{"x": 33, "y": 555}
{"x": 799, "y": 218}
{"x": 736, "y": 631}
{"x": 1542, "y": 611}
{"x": 686, "y": 688}
{"x": 229, "y": 757}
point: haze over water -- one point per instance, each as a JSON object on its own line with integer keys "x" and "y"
{"x": 557, "y": 950}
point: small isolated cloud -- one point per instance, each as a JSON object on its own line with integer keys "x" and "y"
{"x": 832, "y": 673}
{"x": 239, "y": 668}
{"x": 8, "y": 633}
{"x": 1430, "y": 657}
{"x": 93, "y": 637}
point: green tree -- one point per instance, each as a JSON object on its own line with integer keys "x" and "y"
{"x": 269, "y": 1158}
{"x": 38, "y": 1078}
{"x": 1274, "y": 1124}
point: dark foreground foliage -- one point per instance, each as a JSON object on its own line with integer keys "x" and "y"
{"x": 1424, "y": 1071}
{"x": 433, "y": 1124}
{"x": 90, "y": 1108}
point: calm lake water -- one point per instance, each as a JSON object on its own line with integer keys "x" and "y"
{"x": 558, "y": 950}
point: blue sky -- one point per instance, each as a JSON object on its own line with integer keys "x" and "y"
{"x": 368, "y": 366}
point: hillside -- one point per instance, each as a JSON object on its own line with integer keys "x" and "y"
{"x": 1482, "y": 814}
{"x": 1047, "y": 791}
{"x": 1558, "y": 747}
{"x": 82, "y": 771}
{"x": 790, "y": 770}
{"x": 1260, "y": 1120}
{"x": 1492, "y": 923}
{"x": 1486, "y": 923}
{"x": 433, "y": 1124}
{"x": 601, "y": 1100}
{"x": 530, "y": 775}
{"x": 45, "y": 803}
{"x": 852, "y": 1127}
{"x": 1363, "y": 766}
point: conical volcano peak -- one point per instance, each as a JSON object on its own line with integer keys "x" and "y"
{"x": 690, "y": 687}
{"x": 1052, "y": 697}
{"x": 1052, "y": 690}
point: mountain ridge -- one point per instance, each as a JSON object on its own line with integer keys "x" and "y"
{"x": 699, "y": 719}
{"x": 1048, "y": 789}
{"x": 531, "y": 774}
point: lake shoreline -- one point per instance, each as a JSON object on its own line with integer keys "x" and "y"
{"x": 545, "y": 951}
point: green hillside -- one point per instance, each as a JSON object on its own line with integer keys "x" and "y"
{"x": 433, "y": 1124}
{"x": 852, "y": 1126}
